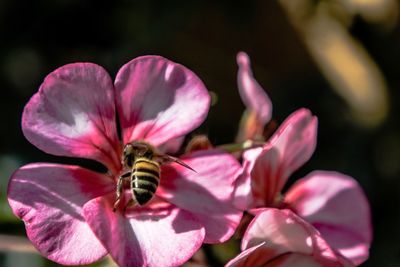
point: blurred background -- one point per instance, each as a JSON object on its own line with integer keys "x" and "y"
{"x": 339, "y": 58}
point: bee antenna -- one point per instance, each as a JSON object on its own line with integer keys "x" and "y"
{"x": 168, "y": 158}
{"x": 184, "y": 165}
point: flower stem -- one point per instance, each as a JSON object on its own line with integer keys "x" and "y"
{"x": 237, "y": 147}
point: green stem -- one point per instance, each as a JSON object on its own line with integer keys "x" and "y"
{"x": 236, "y": 147}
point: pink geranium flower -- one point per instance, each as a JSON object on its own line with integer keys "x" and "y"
{"x": 332, "y": 202}
{"x": 68, "y": 210}
{"x": 281, "y": 238}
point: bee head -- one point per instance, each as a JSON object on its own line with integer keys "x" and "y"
{"x": 138, "y": 149}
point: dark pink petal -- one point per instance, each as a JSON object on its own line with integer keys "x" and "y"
{"x": 206, "y": 193}
{"x": 336, "y": 205}
{"x": 289, "y": 148}
{"x": 159, "y": 100}
{"x": 159, "y": 234}
{"x": 251, "y": 92}
{"x": 73, "y": 114}
{"x": 280, "y": 238}
{"x": 49, "y": 199}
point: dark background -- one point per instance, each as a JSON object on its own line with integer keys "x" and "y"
{"x": 39, "y": 36}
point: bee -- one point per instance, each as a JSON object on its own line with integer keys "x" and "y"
{"x": 142, "y": 164}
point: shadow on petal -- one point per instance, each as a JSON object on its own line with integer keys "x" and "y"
{"x": 45, "y": 198}
{"x": 216, "y": 212}
{"x": 145, "y": 238}
{"x": 155, "y": 210}
{"x": 43, "y": 186}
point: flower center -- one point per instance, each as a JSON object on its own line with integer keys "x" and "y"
{"x": 141, "y": 171}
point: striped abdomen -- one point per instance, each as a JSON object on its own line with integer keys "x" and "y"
{"x": 145, "y": 179}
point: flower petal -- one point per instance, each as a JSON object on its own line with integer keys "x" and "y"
{"x": 280, "y": 238}
{"x": 252, "y": 257}
{"x": 49, "y": 199}
{"x": 259, "y": 256}
{"x": 159, "y": 100}
{"x": 243, "y": 198}
{"x": 280, "y": 230}
{"x": 336, "y": 205}
{"x": 206, "y": 193}
{"x": 289, "y": 148}
{"x": 298, "y": 260}
{"x": 159, "y": 234}
{"x": 73, "y": 115}
{"x": 172, "y": 146}
{"x": 251, "y": 92}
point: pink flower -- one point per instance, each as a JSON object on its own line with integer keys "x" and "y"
{"x": 68, "y": 210}
{"x": 258, "y": 105}
{"x": 281, "y": 238}
{"x": 331, "y": 202}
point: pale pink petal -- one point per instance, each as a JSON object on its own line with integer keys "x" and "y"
{"x": 336, "y": 205}
{"x": 289, "y": 148}
{"x": 159, "y": 100}
{"x": 298, "y": 260}
{"x": 243, "y": 198}
{"x": 259, "y": 256}
{"x": 251, "y": 92}
{"x": 279, "y": 229}
{"x": 206, "y": 193}
{"x": 280, "y": 238}
{"x": 172, "y": 146}
{"x": 264, "y": 177}
{"x": 49, "y": 199}
{"x": 158, "y": 235}
{"x": 73, "y": 115}
{"x": 256, "y": 256}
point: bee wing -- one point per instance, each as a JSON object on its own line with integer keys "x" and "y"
{"x": 168, "y": 159}
{"x": 140, "y": 146}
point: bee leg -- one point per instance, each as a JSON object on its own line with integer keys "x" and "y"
{"x": 120, "y": 188}
{"x": 130, "y": 203}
